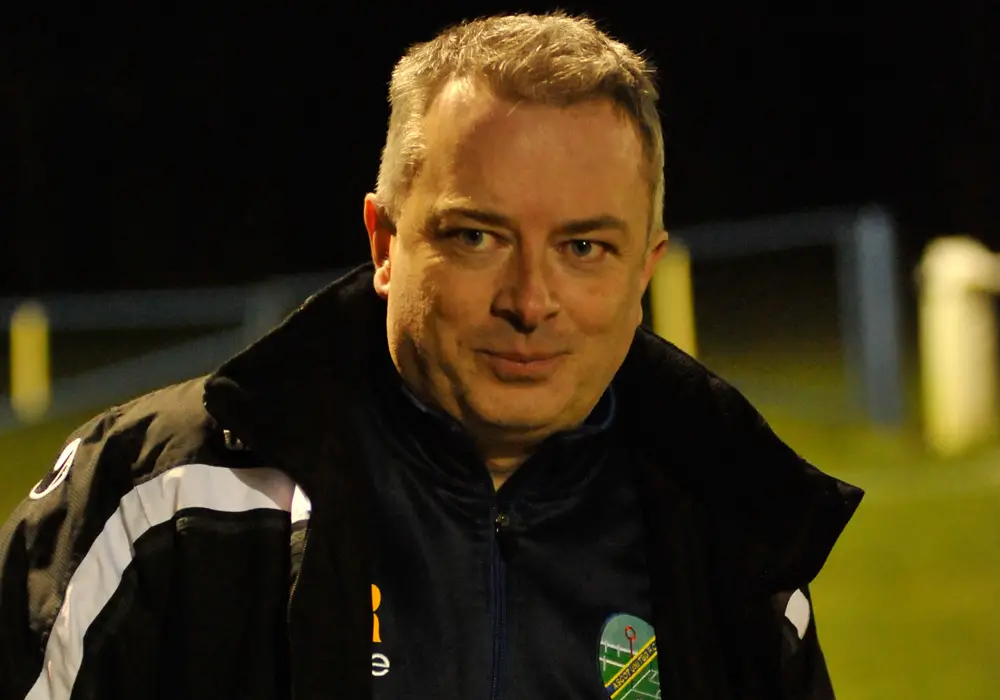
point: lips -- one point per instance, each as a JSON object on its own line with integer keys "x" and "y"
{"x": 522, "y": 367}
{"x": 523, "y": 358}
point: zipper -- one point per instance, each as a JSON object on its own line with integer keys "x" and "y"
{"x": 288, "y": 611}
{"x": 298, "y": 574}
{"x": 499, "y": 602}
{"x": 235, "y": 444}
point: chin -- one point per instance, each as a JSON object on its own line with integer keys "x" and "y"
{"x": 518, "y": 431}
{"x": 521, "y": 414}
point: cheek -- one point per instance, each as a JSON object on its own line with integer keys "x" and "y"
{"x": 603, "y": 309}
{"x": 409, "y": 306}
{"x": 453, "y": 302}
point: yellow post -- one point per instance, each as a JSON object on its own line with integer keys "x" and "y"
{"x": 958, "y": 344}
{"x": 30, "y": 378}
{"x": 671, "y": 297}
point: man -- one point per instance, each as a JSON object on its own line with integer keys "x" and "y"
{"x": 460, "y": 472}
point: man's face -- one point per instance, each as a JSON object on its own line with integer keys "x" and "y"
{"x": 515, "y": 273}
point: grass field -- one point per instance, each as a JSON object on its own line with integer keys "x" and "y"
{"x": 908, "y": 605}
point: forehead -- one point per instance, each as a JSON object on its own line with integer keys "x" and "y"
{"x": 532, "y": 159}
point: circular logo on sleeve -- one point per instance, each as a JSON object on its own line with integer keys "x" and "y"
{"x": 626, "y": 658}
{"x": 58, "y": 473}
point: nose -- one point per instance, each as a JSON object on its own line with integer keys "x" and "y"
{"x": 525, "y": 298}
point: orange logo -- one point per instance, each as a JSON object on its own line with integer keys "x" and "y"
{"x": 380, "y": 662}
{"x": 376, "y": 601}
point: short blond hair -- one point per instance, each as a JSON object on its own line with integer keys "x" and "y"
{"x": 553, "y": 58}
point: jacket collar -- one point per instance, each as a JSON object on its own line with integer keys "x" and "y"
{"x": 777, "y": 516}
{"x": 285, "y": 396}
{"x": 282, "y": 396}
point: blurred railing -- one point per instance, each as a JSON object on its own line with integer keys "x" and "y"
{"x": 864, "y": 240}
{"x": 242, "y": 313}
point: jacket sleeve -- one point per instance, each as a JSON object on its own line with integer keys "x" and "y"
{"x": 804, "y": 674}
{"x": 42, "y": 545}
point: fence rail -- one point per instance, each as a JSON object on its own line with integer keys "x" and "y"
{"x": 149, "y": 309}
{"x": 864, "y": 240}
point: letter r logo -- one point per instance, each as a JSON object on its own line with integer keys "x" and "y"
{"x": 376, "y": 601}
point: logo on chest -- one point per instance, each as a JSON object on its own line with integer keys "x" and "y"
{"x": 626, "y": 658}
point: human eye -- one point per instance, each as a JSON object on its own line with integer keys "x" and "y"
{"x": 586, "y": 250}
{"x": 473, "y": 239}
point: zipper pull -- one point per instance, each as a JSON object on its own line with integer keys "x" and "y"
{"x": 501, "y": 522}
{"x": 506, "y": 540}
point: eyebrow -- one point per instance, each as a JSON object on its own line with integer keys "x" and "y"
{"x": 574, "y": 227}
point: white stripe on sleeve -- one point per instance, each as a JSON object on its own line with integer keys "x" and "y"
{"x": 100, "y": 572}
{"x": 301, "y": 506}
{"x": 799, "y": 612}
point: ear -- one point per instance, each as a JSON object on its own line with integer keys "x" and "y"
{"x": 657, "y": 247}
{"x": 380, "y": 233}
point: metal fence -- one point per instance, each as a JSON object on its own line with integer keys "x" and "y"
{"x": 869, "y": 308}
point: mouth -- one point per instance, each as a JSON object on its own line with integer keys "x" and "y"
{"x": 523, "y": 358}
{"x": 521, "y": 366}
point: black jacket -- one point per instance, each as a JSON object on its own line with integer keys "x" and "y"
{"x": 212, "y": 540}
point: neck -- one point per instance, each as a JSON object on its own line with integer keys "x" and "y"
{"x": 503, "y": 454}
{"x": 504, "y": 451}
{"x": 502, "y": 467}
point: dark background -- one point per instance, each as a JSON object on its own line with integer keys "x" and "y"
{"x": 156, "y": 148}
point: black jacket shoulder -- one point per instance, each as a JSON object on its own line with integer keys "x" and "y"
{"x": 54, "y": 528}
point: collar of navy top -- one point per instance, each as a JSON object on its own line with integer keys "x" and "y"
{"x": 426, "y": 437}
